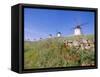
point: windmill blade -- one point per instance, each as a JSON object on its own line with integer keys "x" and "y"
{"x": 83, "y": 24}
{"x": 76, "y": 20}
{"x": 72, "y": 28}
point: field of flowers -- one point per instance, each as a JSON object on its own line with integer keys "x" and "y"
{"x": 51, "y": 52}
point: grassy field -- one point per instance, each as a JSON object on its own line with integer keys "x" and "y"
{"x": 51, "y": 52}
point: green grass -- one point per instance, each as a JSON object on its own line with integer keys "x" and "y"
{"x": 49, "y": 53}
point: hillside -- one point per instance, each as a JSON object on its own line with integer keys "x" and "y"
{"x": 51, "y": 52}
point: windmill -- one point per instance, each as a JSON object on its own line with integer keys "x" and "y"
{"x": 78, "y": 29}
{"x": 59, "y": 34}
{"x": 50, "y": 36}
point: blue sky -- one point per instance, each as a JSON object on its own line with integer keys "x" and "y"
{"x": 42, "y": 22}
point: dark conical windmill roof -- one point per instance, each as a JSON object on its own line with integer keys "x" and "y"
{"x": 79, "y": 27}
{"x": 58, "y": 32}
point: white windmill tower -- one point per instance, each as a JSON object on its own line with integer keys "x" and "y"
{"x": 58, "y": 34}
{"x": 78, "y": 29}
